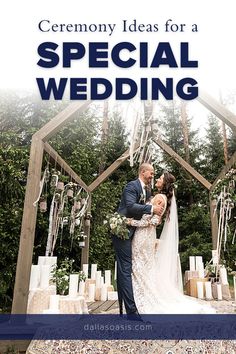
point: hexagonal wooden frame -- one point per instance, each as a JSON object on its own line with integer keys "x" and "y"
{"x": 39, "y": 145}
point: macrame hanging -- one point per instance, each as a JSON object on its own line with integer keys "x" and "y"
{"x": 225, "y": 205}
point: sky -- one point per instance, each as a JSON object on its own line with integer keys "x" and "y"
{"x": 212, "y": 45}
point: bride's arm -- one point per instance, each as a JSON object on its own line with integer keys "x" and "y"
{"x": 146, "y": 221}
{"x": 143, "y": 222}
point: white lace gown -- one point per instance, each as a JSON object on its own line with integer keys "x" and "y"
{"x": 156, "y": 273}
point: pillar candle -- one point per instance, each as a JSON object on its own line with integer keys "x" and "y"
{"x": 54, "y": 302}
{"x": 200, "y": 289}
{"x": 81, "y": 288}
{"x": 34, "y": 277}
{"x": 73, "y": 285}
{"x": 93, "y": 271}
{"x": 115, "y": 273}
{"x": 198, "y": 262}
{"x": 44, "y": 276}
{"x": 104, "y": 293}
{"x": 107, "y": 277}
{"x": 208, "y": 290}
{"x": 41, "y": 260}
{"x": 85, "y": 269}
{"x": 235, "y": 288}
{"x": 223, "y": 276}
{"x": 102, "y": 282}
{"x": 192, "y": 263}
{"x": 48, "y": 260}
{"x": 91, "y": 292}
{"x": 219, "y": 292}
{"x": 201, "y": 270}
{"x": 98, "y": 279}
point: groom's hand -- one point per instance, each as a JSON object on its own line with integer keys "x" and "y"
{"x": 158, "y": 209}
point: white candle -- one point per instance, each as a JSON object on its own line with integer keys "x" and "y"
{"x": 98, "y": 279}
{"x": 91, "y": 292}
{"x": 85, "y": 269}
{"x": 41, "y": 260}
{"x": 46, "y": 260}
{"x": 93, "y": 271}
{"x": 107, "y": 277}
{"x": 235, "y": 288}
{"x": 54, "y": 302}
{"x": 104, "y": 293}
{"x": 201, "y": 270}
{"x": 115, "y": 273}
{"x": 192, "y": 263}
{"x": 198, "y": 262}
{"x": 200, "y": 289}
{"x": 223, "y": 276}
{"x": 101, "y": 282}
{"x": 81, "y": 288}
{"x": 73, "y": 285}
{"x": 219, "y": 292}
{"x": 44, "y": 276}
{"x": 34, "y": 277}
{"x": 214, "y": 257}
{"x": 208, "y": 290}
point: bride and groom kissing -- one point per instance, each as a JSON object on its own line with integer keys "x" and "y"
{"x": 149, "y": 278}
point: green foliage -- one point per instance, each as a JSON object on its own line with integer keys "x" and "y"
{"x": 194, "y": 234}
{"x": 214, "y": 154}
{"x": 61, "y": 273}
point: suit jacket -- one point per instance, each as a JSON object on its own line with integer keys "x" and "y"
{"x": 132, "y": 203}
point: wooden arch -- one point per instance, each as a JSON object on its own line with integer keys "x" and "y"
{"x": 40, "y": 144}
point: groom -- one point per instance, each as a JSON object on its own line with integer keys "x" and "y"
{"x": 132, "y": 205}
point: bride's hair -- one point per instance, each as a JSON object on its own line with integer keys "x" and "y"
{"x": 168, "y": 188}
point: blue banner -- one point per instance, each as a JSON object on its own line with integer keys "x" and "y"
{"x": 163, "y": 327}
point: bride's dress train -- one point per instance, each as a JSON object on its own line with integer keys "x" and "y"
{"x": 156, "y": 273}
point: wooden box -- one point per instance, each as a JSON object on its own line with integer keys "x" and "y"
{"x": 191, "y": 286}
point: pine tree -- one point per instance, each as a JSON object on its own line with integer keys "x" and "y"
{"x": 214, "y": 153}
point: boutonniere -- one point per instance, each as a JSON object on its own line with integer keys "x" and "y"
{"x": 141, "y": 199}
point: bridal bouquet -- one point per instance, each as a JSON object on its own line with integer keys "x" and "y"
{"x": 117, "y": 225}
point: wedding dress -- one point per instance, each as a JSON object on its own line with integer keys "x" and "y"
{"x": 156, "y": 271}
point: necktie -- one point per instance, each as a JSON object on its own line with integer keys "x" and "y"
{"x": 145, "y": 188}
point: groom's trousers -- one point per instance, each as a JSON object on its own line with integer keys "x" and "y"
{"x": 124, "y": 268}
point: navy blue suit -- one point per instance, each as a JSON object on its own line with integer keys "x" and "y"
{"x": 132, "y": 205}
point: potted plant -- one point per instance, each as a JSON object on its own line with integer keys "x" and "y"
{"x": 60, "y": 276}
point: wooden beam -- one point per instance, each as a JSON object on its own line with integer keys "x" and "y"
{"x": 24, "y": 261}
{"x": 218, "y": 109}
{"x": 226, "y": 168}
{"x": 182, "y": 162}
{"x": 111, "y": 169}
{"x": 59, "y": 160}
{"x": 55, "y": 124}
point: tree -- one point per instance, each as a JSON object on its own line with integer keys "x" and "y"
{"x": 214, "y": 154}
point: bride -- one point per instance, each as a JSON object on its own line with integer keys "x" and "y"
{"x": 156, "y": 270}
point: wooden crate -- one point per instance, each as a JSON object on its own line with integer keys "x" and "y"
{"x": 191, "y": 286}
